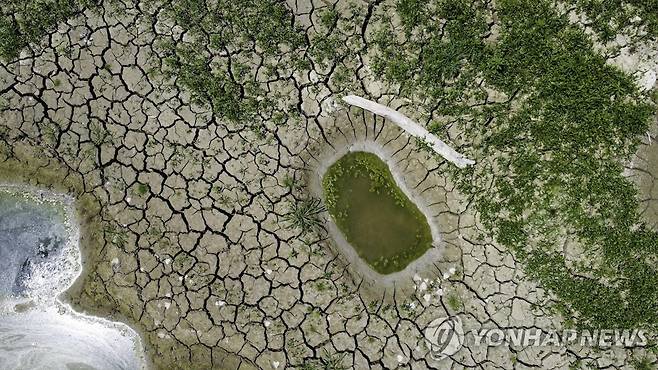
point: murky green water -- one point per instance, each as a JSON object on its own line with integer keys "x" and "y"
{"x": 380, "y": 222}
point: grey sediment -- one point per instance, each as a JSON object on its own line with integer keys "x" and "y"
{"x": 52, "y": 179}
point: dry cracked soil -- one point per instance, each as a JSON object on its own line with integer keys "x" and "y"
{"x": 183, "y": 215}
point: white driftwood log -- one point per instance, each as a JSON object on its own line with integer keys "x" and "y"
{"x": 411, "y": 127}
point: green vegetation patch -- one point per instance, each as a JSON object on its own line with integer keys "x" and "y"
{"x": 230, "y": 48}
{"x": 549, "y": 154}
{"x": 380, "y": 222}
{"x": 610, "y": 17}
{"x": 23, "y": 22}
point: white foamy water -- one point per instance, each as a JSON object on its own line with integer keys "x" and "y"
{"x": 39, "y": 259}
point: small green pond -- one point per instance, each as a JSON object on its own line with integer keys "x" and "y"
{"x": 378, "y": 220}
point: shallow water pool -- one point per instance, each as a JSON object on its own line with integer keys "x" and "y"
{"x": 379, "y": 221}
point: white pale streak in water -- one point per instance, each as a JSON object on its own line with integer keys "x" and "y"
{"x": 37, "y": 331}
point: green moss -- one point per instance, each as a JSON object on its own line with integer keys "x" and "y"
{"x": 454, "y": 302}
{"x": 385, "y": 228}
{"x": 321, "y": 286}
{"x": 142, "y": 189}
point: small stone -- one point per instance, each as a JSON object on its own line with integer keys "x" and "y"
{"x": 266, "y": 323}
{"x": 427, "y": 297}
{"x": 313, "y": 76}
{"x": 648, "y": 80}
{"x": 275, "y": 364}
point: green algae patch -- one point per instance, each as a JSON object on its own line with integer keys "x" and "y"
{"x": 379, "y": 221}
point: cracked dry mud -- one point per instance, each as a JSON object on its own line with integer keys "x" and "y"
{"x": 183, "y": 230}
